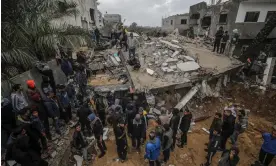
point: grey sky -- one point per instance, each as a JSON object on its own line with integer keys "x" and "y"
{"x": 145, "y": 12}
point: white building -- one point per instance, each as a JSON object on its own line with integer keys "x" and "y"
{"x": 180, "y": 21}
{"x": 252, "y": 15}
{"x": 112, "y": 18}
{"x": 87, "y": 17}
{"x": 100, "y": 19}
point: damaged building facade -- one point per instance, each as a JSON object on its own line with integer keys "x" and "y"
{"x": 179, "y": 21}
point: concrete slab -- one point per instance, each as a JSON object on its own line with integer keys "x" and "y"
{"x": 188, "y": 66}
{"x": 188, "y": 58}
{"x": 149, "y": 71}
{"x": 169, "y": 44}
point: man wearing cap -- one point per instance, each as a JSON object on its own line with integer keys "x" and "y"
{"x": 121, "y": 140}
{"x": 138, "y": 132}
{"x": 268, "y": 150}
{"x": 153, "y": 148}
{"x": 97, "y": 128}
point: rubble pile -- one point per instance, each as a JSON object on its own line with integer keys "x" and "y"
{"x": 168, "y": 58}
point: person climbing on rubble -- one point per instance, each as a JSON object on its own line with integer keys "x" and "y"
{"x": 18, "y": 100}
{"x": 153, "y": 147}
{"x": 230, "y": 157}
{"x": 167, "y": 142}
{"x": 138, "y": 132}
{"x": 80, "y": 143}
{"x": 185, "y": 126}
{"x": 83, "y": 113}
{"x": 216, "y": 124}
{"x": 121, "y": 140}
{"x": 268, "y": 149}
{"x": 218, "y": 37}
{"x": 174, "y": 123}
{"x": 36, "y": 100}
{"x": 224, "y": 40}
{"x": 65, "y": 105}
{"x": 213, "y": 145}
{"x": 132, "y": 45}
{"x": 228, "y": 126}
{"x": 240, "y": 126}
{"x": 97, "y": 128}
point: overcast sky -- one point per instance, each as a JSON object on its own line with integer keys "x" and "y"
{"x": 145, "y": 12}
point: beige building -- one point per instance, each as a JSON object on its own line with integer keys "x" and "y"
{"x": 112, "y": 18}
{"x": 179, "y": 21}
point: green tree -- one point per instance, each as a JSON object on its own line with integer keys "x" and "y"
{"x": 30, "y": 30}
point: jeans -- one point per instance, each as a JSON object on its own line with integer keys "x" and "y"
{"x": 184, "y": 138}
{"x": 84, "y": 153}
{"x": 216, "y": 45}
{"x": 166, "y": 154}
{"x": 154, "y": 163}
{"x": 234, "y": 137}
{"x": 222, "y": 47}
{"x": 131, "y": 51}
{"x": 136, "y": 142}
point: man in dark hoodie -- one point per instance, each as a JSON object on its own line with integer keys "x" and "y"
{"x": 227, "y": 127}
{"x": 121, "y": 140}
{"x": 52, "y": 108}
{"x": 240, "y": 126}
{"x": 224, "y": 40}
{"x": 138, "y": 132}
{"x": 174, "y": 123}
{"x": 213, "y": 146}
{"x": 167, "y": 142}
{"x": 216, "y": 124}
{"x": 185, "y": 126}
{"x": 81, "y": 78}
{"x": 83, "y": 113}
{"x": 46, "y": 86}
{"x": 80, "y": 142}
{"x": 97, "y": 128}
{"x": 130, "y": 115}
{"x": 101, "y": 108}
{"x": 218, "y": 37}
{"x": 230, "y": 157}
{"x": 66, "y": 66}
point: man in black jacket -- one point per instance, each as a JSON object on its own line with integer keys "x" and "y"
{"x": 218, "y": 37}
{"x": 213, "y": 146}
{"x": 184, "y": 127}
{"x": 174, "y": 125}
{"x": 130, "y": 112}
{"x": 83, "y": 113}
{"x": 121, "y": 140}
{"x": 228, "y": 126}
{"x": 97, "y": 128}
{"x": 138, "y": 132}
{"x": 80, "y": 142}
{"x": 216, "y": 124}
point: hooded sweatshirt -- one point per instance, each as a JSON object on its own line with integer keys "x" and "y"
{"x": 269, "y": 145}
{"x": 153, "y": 148}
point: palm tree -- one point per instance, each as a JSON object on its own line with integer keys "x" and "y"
{"x": 30, "y": 31}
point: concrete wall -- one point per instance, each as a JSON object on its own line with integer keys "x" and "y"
{"x": 115, "y": 18}
{"x": 176, "y": 23}
{"x": 84, "y": 7}
{"x": 262, "y": 7}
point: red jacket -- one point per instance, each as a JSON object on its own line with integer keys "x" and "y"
{"x": 34, "y": 95}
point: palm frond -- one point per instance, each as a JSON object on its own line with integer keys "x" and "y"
{"x": 18, "y": 57}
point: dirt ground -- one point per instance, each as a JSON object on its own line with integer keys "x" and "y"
{"x": 262, "y": 116}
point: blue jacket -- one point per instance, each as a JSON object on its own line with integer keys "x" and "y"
{"x": 269, "y": 144}
{"x": 52, "y": 107}
{"x": 64, "y": 99}
{"x": 153, "y": 148}
{"x": 66, "y": 67}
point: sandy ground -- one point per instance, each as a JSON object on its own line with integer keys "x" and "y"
{"x": 261, "y": 117}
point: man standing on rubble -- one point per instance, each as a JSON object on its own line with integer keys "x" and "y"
{"x": 167, "y": 142}
{"x": 132, "y": 44}
{"x": 121, "y": 140}
{"x": 218, "y": 37}
{"x": 233, "y": 42}
{"x": 153, "y": 148}
{"x": 185, "y": 126}
{"x": 227, "y": 127}
{"x": 268, "y": 150}
{"x": 138, "y": 132}
{"x": 174, "y": 123}
{"x": 224, "y": 40}
{"x": 97, "y": 128}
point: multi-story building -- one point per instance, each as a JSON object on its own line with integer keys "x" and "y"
{"x": 87, "y": 17}
{"x": 100, "y": 19}
{"x": 112, "y": 18}
{"x": 179, "y": 21}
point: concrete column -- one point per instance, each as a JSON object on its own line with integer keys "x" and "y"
{"x": 270, "y": 62}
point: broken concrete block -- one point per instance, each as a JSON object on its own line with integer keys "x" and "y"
{"x": 169, "y": 44}
{"x": 175, "y": 41}
{"x": 175, "y": 54}
{"x": 164, "y": 69}
{"x": 78, "y": 159}
{"x": 165, "y": 52}
{"x": 53, "y": 154}
{"x": 174, "y": 67}
{"x": 169, "y": 70}
{"x": 169, "y": 60}
{"x": 164, "y": 64}
{"x": 194, "y": 73}
{"x": 188, "y": 66}
{"x": 186, "y": 75}
{"x": 149, "y": 71}
{"x": 188, "y": 58}
{"x": 159, "y": 53}
{"x": 11, "y": 163}
{"x": 155, "y": 54}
